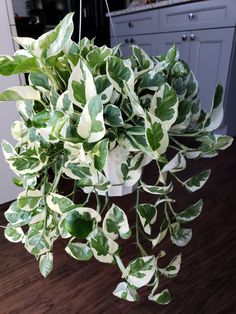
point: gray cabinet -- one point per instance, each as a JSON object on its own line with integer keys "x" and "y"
{"x": 208, "y": 52}
{"x": 203, "y": 32}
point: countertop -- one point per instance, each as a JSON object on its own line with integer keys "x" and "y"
{"x": 161, "y": 4}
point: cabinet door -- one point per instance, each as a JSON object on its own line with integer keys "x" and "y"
{"x": 210, "y": 52}
{"x": 146, "y": 42}
{"x": 8, "y": 112}
{"x": 165, "y": 41}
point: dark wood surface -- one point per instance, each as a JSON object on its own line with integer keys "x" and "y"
{"x": 206, "y": 283}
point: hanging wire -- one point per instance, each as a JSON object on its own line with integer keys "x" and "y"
{"x": 80, "y": 19}
{"x": 112, "y": 24}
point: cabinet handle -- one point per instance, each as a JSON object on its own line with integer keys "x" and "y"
{"x": 184, "y": 37}
{"x": 192, "y": 36}
{"x": 132, "y": 41}
{"x": 131, "y": 25}
{"x": 191, "y": 16}
{"x": 126, "y": 40}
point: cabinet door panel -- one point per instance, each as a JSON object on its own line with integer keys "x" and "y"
{"x": 146, "y": 42}
{"x": 165, "y": 41}
{"x": 210, "y": 53}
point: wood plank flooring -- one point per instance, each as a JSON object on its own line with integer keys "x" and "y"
{"x": 206, "y": 283}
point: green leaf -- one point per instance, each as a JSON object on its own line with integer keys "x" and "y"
{"x": 164, "y": 105}
{"x": 171, "y": 54}
{"x": 28, "y": 200}
{"x": 104, "y": 88}
{"x": 156, "y": 134}
{"x": 10, "y": 65}
{"x": 98, "y": 56}
{"x": 184, "y": 115}
{"x": 172, "y": 269}
{"x": 13, "y": 234}
{"x": 147, "y": 214}
{"x": 140, "y": 271}
{"x": 40, "y": 80}
{"x": 152, "y": 80}
{"x": 191, "y": 85}
{"x": 118, "y": 72}
{"x": 16, "y": 216}
{"x": 162, "y": 233}
{"x": 78, "y": 222}
{"x": 64, "y": 104}
{"x": 215, "y": 117}
{"x": 79, "y": 251}
{"x": 113, "y": 116}
{"x": 115, "y": 223}
{"x": 91, "y": 124}
{"x": 46, "y": 264}
{"x": 143, "y": 60}
{"x": 161, "y": 298}
{"x": 100, "y": 153}
{"x": 20, "y": 93}
{"x": 125, "y": 292}
{"x": 190, "y": 213}
{"x": 196, "y": 182}
{"x": 103, "y": 247}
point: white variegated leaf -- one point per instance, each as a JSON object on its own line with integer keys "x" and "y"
{"x": 125, "y": 292}
{"x": 46, "y": 264}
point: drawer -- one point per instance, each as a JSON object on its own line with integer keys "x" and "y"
{"x": 199, "y": 15}
{"x": 146, "y": 42}
{"x": 135, "y": 23}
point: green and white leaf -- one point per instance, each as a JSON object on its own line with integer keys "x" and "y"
{"x": 16, "y": 216}
{"x": 177, "y": 163}
{"x": 113, "y": 116}
{"x": 156, "y": 134}
{"x": 14, "y": 234}
{"x": 172, "y": 269}
{"x": 46, "y": 264}
{"x": 103, "y": 247}
{"x": 91, "y": 124}
{"x": 20, "y": 93}
{"x": 164, "y": 105}
{"x": 197, "y": 182}
{"x": 119, "y": 73}
{"x": 162, "y": 233}
{"x": 81, "y": 86}
{"x": 180, "y": 236}
{"x": 79, "y": 251}
{"x": 116, "y": 223}
{"x": 215, "y": 117}
{"x": 159, "y": 190}
{"x": 190, "y": 213}
{"x": 161, "y": 298}
{"x": 58, "y": 203}
{"x": 147, "y": 215}
{"x": 104, "y": 88}
{"x": 125, "y": 292}
{"x": 37, "y": 242}
{"x": 140, "y": 271}
{"x": 29, "y": 200}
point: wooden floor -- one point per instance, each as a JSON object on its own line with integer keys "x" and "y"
{"x": 206, "y": 283}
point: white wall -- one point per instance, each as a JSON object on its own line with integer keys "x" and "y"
{"x": 8, "y": 112}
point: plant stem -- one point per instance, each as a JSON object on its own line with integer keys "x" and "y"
{"x": 119, "y": 263}
{"x": 87, "y": 199}
{"x": 105, "y": 203}
{"x": 142, "y": 251}
{"x": 177, "y": 178}
{"x": 98, "y": 201}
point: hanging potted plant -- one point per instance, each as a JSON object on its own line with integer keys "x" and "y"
{"x": 93, "y": 117}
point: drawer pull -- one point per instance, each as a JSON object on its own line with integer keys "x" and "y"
{"x": 192, "y": 36}
{"x": 132, "y": 41}
{"x": 191, "y": 16}
{"x": 126, "y": 40}
{"x": 131, "y": 25}
{"x": 184, "y": 37}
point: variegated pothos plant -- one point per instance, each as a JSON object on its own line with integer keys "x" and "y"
{"x": 83, "y": 107}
